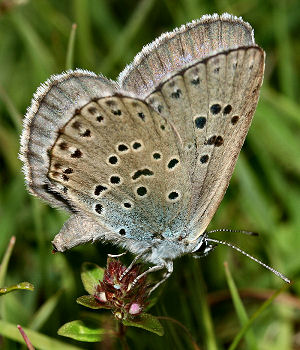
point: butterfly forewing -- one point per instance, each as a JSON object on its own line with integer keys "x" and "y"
{"x": 210, "y": 106}
{"x": 230, "y": 109}
{"x": 173, "y": 51}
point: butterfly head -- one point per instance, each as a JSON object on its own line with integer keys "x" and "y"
{"x": 203, "y": 247}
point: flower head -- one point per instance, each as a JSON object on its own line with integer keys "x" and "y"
{"x": 118, "y": 292}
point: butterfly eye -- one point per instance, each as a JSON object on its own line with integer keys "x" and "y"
{"x": 203, "y": 249}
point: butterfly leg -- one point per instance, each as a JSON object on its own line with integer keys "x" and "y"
{"x": 131, "y": 265}
{"x": 168, "y": 266}
{"x": 151, "y": 269}
{"x": 167, "y": 274}
{"x": 116, "y": 255}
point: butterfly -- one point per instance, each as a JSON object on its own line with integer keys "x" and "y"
{"x": 145, "y": 161}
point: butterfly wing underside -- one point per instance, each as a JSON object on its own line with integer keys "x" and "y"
{"x": 107, "y": 157}
{"x": 111, "y": 157}
{"x": 209, "y": 103}
{"x": 212, "y": 117}
{"x": 149, "y": 157}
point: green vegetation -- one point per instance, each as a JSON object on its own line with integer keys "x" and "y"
{"x": 205, "y": 305}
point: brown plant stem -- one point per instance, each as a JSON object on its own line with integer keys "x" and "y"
{"x": 121, "y": 334}
{"x": 26, "y": 339}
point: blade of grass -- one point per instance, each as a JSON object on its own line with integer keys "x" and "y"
{"x": 255, "y": 203}
{"x": 5, "y": 260}
{"x": 273, "y": 129}
{"x": 14, "y": 114}
{"x": 134, "y": 24}
{"x": 281, "y": 103}
{"x": 9, "y": 150}
{"x": 253, "y": 199}
{"x": 12, "y": 201}
{"x": 44, "y": 312}
{"x": 276, "y": 178}
{"x": 42, "y": 251}
{"x": 176, "y": 12}
{"x": 84, "y": 33}
{"x": 239, "y": 308}
{"x": 171, "y": 331}
{"x": 283, "y": 45}
{"x": 41, "y": 57}
{"x": 49, "y": 12}
{"x": 106, "y": 20}
{"x": 193, "y": 8}
{"x": 197, "y": 284}
{"x": 245, "y": 328}
{"x": 70, "y": 51}
{"x": 40, "y": 341}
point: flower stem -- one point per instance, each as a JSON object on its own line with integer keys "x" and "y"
{"x": 121, "y": 334}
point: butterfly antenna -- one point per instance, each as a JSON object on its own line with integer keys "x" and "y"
{"x": 249, "y": 233}
{"x": 277, "y": 273}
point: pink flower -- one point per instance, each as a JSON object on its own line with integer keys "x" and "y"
{"x": 118, "y": 293}
{"x": 135, "y": 309}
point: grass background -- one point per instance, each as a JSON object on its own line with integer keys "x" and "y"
{"x": 264, "y": 194}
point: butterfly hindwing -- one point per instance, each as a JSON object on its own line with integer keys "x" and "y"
{"x": 118, "y": 160}
{"x": 52, "y": 106}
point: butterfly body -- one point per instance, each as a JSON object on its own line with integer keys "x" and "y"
{"x": 144, "y": 162}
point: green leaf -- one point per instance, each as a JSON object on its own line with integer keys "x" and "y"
{"x": 147, "y": 322}
{"x": 19, "y": 286}
{"x": 90, "y": 301}
{"x": 91, "y": 274}
{"x": 79, "y": 331}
